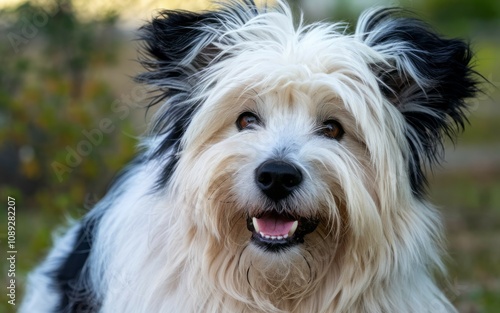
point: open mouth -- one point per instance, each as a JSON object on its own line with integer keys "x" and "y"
{"x": 274, "y": 231}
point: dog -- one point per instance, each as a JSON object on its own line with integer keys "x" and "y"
{"x": 283, "y": 172}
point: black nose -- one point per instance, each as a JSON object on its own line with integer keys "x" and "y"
{"x": 277, "y": 179}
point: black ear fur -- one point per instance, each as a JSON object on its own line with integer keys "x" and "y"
{"x": 176, "y": 45}
{"x": 428, "y": 79}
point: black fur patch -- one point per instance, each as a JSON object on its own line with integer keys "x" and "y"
{"x": 71, "y": 277}
{"x": 441, "y": 80}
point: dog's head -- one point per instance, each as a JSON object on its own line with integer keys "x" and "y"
{"x": 302, "y": 148}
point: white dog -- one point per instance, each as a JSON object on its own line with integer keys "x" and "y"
{"x": 284, "y": 172}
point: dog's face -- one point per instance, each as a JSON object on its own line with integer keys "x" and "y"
{"x": 285, "y": 164}
{"x": 300, "y": 150}
{"x": 283, "y": 160}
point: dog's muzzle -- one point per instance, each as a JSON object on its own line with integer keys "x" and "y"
{"x": 272, "y": 229}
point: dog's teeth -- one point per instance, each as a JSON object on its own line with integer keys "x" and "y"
{"x": 273, "y": 237}
{"x": 279, "y": 237}
{"x": 285, "y": 236}
{"x": 255, "y": 224}
{"x": 267, "y": 237}
{"x": 294, "y": 228}
{"x": 262, "y": 234}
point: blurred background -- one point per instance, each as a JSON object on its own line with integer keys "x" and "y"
{"x": 70, "y": 116}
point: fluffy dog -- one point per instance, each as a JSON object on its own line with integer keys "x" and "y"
{"x": 284, "y": 172}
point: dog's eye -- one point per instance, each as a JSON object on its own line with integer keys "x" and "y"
{"x": 247, "y": 120}
{"x": 332, "y": 129}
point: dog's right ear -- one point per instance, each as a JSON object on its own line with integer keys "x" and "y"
{"x": 177, "y": 45}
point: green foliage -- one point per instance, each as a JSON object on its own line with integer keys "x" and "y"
{"x": 52, "y": 139}
{"x": 459, "y": 10}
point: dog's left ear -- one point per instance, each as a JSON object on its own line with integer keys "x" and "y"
{"x": 177, "y": 45}
{"x": 425, "y": 76}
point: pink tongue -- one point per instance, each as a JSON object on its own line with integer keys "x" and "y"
{"x": 274, "y": 225}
